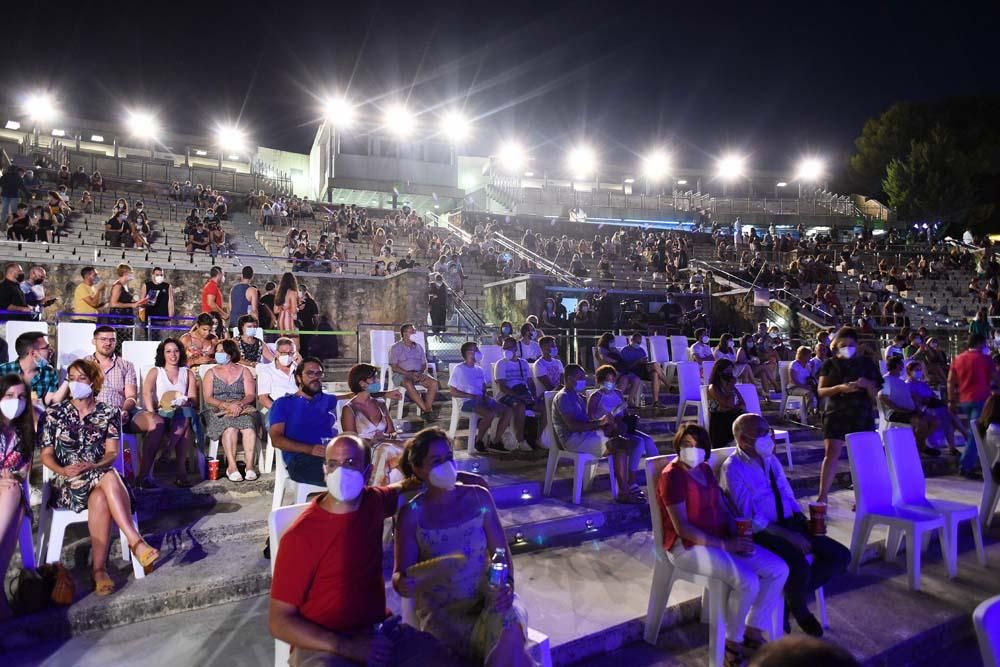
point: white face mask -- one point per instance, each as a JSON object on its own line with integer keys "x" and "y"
{"x": 443, "y": 476}
{"x": 846, "y": 352}
{"x": 764, "y": 446}
{"x": 345, "y": 484}
{"x": 692, "y": 457}
{"x": 554, "y": 352}
{"x": 610, "y": 386}
{"x": 581, "y": 385}
{"x": 80, "y": 390}
{"x": 12, "y": 408}
{"x": 508, "y": 354}
{"x": 251, "y": 332}
{"x": 704, "y": 340}
{"x": 157, "y": 280}
{"x": 221, "y": 358}
{"x": 477, "y": 357}
{"x": 918, "y": 375}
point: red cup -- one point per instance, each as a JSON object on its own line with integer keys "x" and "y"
{"x": 817, "y": 518}
{"x": 744, "y": 527}
{"x": 213, "y": 469}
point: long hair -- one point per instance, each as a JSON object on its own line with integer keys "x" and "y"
{"x": 287, "y": 283}
{"x": 24, "y": 425}
{"x": 161, "y": 360}
{"x": 990, "y": 415}
{"x": 720, "y": 367}
{"x": 418, "y": 446}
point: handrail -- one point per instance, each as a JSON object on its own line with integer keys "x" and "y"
{"x": 546, "y": 264}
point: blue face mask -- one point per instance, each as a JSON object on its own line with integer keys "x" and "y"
{"x": 221, "y": 358}
{"x": 374, "y": 387}
{"x": 42, "y": 363}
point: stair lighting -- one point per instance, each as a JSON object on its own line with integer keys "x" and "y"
{"x": 525, "y": 494}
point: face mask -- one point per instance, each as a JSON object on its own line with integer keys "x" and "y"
{"x": 692, "y": 457}
{"x": 251, "y": 332}
{"x": 444, "y": 476}
{"x": 42, "y": 362}
{"x": 581, "y": 385}
{"x": 704, "y": 340}
{"x": 764, "y": 446}
{"x": 38, "y": 281}
{"x": 917, "y": 341}
{"x": 610, "y": 386}
{"x": 19, "y": 278}
{"x": 750, "y": 345}
{"x": 80, "y": 390}
{"x": 554, "y": 352}
{"x": 534, "y": 334}
{"x": 918, "y": 375}
{"x": 508, "y": 354}
{"x": 846, "y": 352}
{"x": 12, "y": 408}
{"x": 477, "y": 357}
{"x": 285, "y": 359}
{"x": 157, "y": 280}
{"x": 505, "y": 330}
{"x": 345, "y": 484}
{"x": 221, "y": 358}
{"x": 584, "y": 309}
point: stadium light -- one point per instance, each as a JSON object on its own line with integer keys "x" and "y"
{"x": 399, "y": 120}
{"x": 810, "y": 169}
{"x": 582, "y": 161}
{"x": 40, "y": 107}
{"x": 511, "y": 156}
{"x": 655, "y": 165}
{"x": 13, "y": 125}
{"x": 782, "y": 184}
{"x": 730, "y": 167}
{"x": 339, "y": 112}
{"x": 230, "y": 138}
{"x": 97, "y": 137}
{"x": 455, "y": 126}
{"x": 143, "y": 125}
{"x": 682, "y": 182}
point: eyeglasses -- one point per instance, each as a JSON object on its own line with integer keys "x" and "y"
{"x": 352, "y": 463}
{"x": 106, "y": 339}
{"x": 313, "y": 374}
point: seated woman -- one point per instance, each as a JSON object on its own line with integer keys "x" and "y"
{"x": 607, "y": 400}
{"x": 47, "y": 224}
{"x": 725, "y": 403}
{"x": 230, "y": 398}
{"x": 17, "y": 442}
{"x": 607, "y": 354}
{"x": 252, "y": 349}
{"x": 199, "y": 343}
{"x": 80, "y": 440}
{"x": 636, "y": 362}
{"x": 699, "y": 534}
{"x": 171, "y": 390}
{"x": 747, "y": 360}
{"x": 800, "y": 379}
{"x": 482, "y": 624}
{"x": 368, "y": 417}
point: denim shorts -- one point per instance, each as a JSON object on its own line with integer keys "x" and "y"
{"x": 473, "y": 404}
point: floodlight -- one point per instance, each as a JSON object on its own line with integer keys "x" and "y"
{"x": 143, "y": 125}
{"x": 399, "y": 120}
{"x": 58, "y": 133}
{"x": 781, "y": 184}
{"x": 810, "y": 169}
{"x": 511, "y": 156}
{"x": 682, "y": 182}
{"x": 339, "y": 112}
{"x": 201, "y": 153}
{"x": 529, "y": 174}
{"x": 455, "y": 126}
{"x": 96, "y": 137}
{"x": 13, "y": 125}
{"x": 582, "y": 161}
{"x": 629, "y": 180}
{"x": 730, "y": 167}
{"x": 655, "y": 165}
{"x": 41, "y": 107}
{"x": 230, "y": 138}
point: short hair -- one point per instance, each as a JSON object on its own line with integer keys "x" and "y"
{"x": 698, "y": 333}
{"x": 161, "y": 357}
{"x": 270, "y": 285}
{"x": 26, "y": 343}
{"x": 93, "y": 372}
{"x": 232, "y": 348}
{"x": 570, "y": 370}
{"x": 701, "y": 437}
{"x": 301, "y": 367}
{"x": 844, "y": 332}
{"x": 243, "y": 319}
{"x": 418, "y": 446}
{"x": 284, "y": 340}
{"x": 467, "y": 345}
{"x": 103, "y": 328}
{"x": 913, "y": 363}
{"x": 155, "y": 269}
{"x": 604, "y": 371}
{"x": 358, "y": 373}
{"x": 247, "y": 272}
{"x": 803, "y": 348}
{"x": 894, "y": 363}
{"x": 214, "y": 271}
{"x": 123, "y": 269}
{"x": 357, "y": 441}
{"x": 976, "y": 340}
{"x": 546, "y": 341}
{"x": 801, "y": 651}
{"x": 742, "y": 424}
{"x": 526, "y": 327}
{"x": 204, "y": 319}
{"x": 404, "y": 327}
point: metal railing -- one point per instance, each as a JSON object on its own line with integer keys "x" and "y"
{"x": 547, "y": 265}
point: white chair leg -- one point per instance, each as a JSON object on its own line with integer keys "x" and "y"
{"x": 988, "y": 505}
{"x": 26, "y": 544}
{"x": 213, "y": 449}
{"x": 859, "y": 539}
{"x": 279, "y": 490}
{"x": 892, "y": 543}
{"x": 44, "y": 521}
{"x": 399, "y": 409}
{"x": 590, "y": 467}
{"x": 614, "y": 478}
{"x": 949, "y": 545}
{"x": 473, "y": 428}
{"x": 821, "y": 607}
{"x": 57, "y": 531}
{"x": 268, "y": 455}
{"x": 977, "y": 535}
{"x": 453, "y": 425}
{"x": 659, "y": 594}
{"x": 579, "y": 472}
{"x": 788, "y": 451}
{"x": 706, "y": 601}
{"x": 137, "y": 569}
{"x": 550, "y": 471}
{"x": 718, "y": 600}
{"x": 126, "y": 554}
{"x": 913, "y": 558}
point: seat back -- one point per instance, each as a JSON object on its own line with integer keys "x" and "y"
{"x": 74, "y": 340}
{"x": 621, "y": 342}
{"x": 678, "y": 348}
{"x": 869, "y": 472}
{"x": 706, "y": 371}
{"x": 750, "y": 397}
{"x": 908, "y": 484}
{"x": 491, "y": 355}
{"x": 277, "y": 523}
{"x": 719, "y": 457}
{"x": 654, "y": 468}
{"x": 550, "y": 413}
{"x": 987, "y": 454}
{"x": 703, "y": 407}
{"x": 986, "y": 619}
{"x": 883, "y": 367}
{"x": 140, "y": 353}
{"x": 658, "y": 349}
{"x": 15, "y": 328}
{"x": 783, "y": 369}
{"x": 688, "y": 380}
{"x": 381, "y": 340}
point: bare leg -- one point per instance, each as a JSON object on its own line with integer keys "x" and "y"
{"x": 518, "y": 411}
{"x": 11, "y": 513}
{"x": 229, "y": 446}
{"x": 656, "y": 385}
{"x": 485, "y": 421}
{"x": 180, "y": 444}
{"x": 431, "y": 385}
{"x": 509, "y": 650}
{"x": 413, "y": 394}
{"x": 119, "y": 505}
{"x": 99, "y": 525}
{"x": 154, "y": 427}
{"x": 504, "y": 420}
{"x": 829, "y": 467}
{"x": 249, "y": 444}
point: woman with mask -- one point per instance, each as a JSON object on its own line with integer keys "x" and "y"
{"x": 749, "y": 367}
{"x": 230, "y": 411}
{"x": 849, "y": 382}
{"x": 159, "y": 294}
{"x": 80, "y": 440}
{"x": 484, "y": 624}
{"x": 506, "y": 331}
{"x": 725, "y": 403}
{"x": 114, "y": 227}
{"x": 170, "y": 390}
{"x": 252, "y": 348}
{"x": 699, "y": 536}
{"x": 17, "y": 442}
{"x": 123, "y": 303}
{"x": 368, "y": 418}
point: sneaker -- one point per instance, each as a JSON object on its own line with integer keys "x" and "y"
{"x": 508, "y": 441}
{"x": 480, "y": 447}
{"x": 523, "y": 446}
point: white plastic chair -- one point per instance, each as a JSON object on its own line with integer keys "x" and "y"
{"x": 381, "y": 340}
{"x": 141, "y": 353}
{"x": 74, "y": 340}
{"x": 456, "y": 411}
{"x": 491, "y": 355}
{"x": 387, "y": 372}
{"x": 752, "y": 401}
{"x": 584, "y": 465}
{"x": 991, "y": 492}
{"x": 986, "y": 620}
{"x": 679, "y": 348}
{"x": 282, "y": 481}
{"x": 703, "y": 407}
{"x": 659, "y": 350}
{"x": 784, "y": 368}
{"x": 883, "y": 422}
{"x": 17, "y": 327}
{"x": 278, "y": 522}
{"x": 52, "y": 523}
{"x": 706, "y": 371}
{"x": 213, "y": 444}
{"x": 873, "y": 498}
{"x": 909, "y": 491}
{"x": 688, "y": 383}
{"x": 621, "y": 342}
{"x": 24, "y": 537}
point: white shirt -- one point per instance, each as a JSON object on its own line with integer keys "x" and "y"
{"x": 530, "y": 350}
{"x": 700, "y": 351}
{"x": 748, "y": 483}
{"x": 274, "y": 383}
{"x": 553, "y": 369}
{"x": 799, "y": 374}
{"x": 469, "y": 379}
{"x": 896, "y": 390}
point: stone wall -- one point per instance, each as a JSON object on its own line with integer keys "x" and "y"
{"x": 502, "y": 302}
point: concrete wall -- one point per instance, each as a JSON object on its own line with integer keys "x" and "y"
{"x": 502, "y": 302}
{"x": 394, "y": 170}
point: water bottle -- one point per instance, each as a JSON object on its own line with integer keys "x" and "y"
{"x": 498, "y": 569}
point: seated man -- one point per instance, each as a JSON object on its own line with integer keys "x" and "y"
{"x": 198, "y": 239}
{"x": 701, "y": 350}
{"x": 938, "y": 410}
{"x": 549, "y": 369}
{"x": 119, "y": 390}
{"x": 33, "y": 366}
{"x": 896, "y": 401}
{"x": 468, "y": 381}
{"x": 408, "y": 362}
{"x": 277, "y": 379}
{"x": 755, "y": 481}
{"x": 302, "y": 421}
{"x": 517, "y": 392}
{"x": 328, "y": 594}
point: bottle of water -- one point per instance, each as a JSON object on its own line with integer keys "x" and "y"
{"x": 498, "y": 569}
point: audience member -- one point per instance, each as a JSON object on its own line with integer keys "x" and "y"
{"x": 548, "y": 370}
{"x": 11, "y": 297}
{"x": 898, "y": 405}
{"x": 244, "y": 298}
{"x": 367, "y": 417}
{"x": 800, "y": 651}
{"x": 516, "y": 390}
{"x": 467, "y": 381}
{"x": 171, "y": 391}
{"x": 230, "y": 408}
{"x": 302, "y": 422}
{"x": 199, "y": 343}
{"x": 408, "y": 363}
{"x": 212, "y": 301}
{"x": 159, "y": 297}
{"x": 35, "y": 369}
{"x": 725, "y": 403}
{"x": 971, "y": 378}
{"x": 701, "y": 351}
{"x": 17, "y": 444}
{"x": 87, "y": 296}
{"x": 286, "y": 304}
{"x": 801, "y": 381}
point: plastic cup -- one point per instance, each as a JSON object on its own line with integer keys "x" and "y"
{"x": 213, "y": 469}
{"x": 817, "y": 518}
{"x": 744, "y": 527}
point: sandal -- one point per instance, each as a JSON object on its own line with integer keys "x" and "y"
{"x": 183, "y": 483}
{"x": 103, "y": 584}
{"x": 234, "y": 476}
{"x": 250, "y": 475}
{"x": 148, "y": 557}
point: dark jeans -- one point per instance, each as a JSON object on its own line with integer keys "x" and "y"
{"x": 830, "y": 557}
{"x": 306, "y": 468}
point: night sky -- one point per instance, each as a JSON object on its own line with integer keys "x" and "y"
{"x": 775, "y": 81}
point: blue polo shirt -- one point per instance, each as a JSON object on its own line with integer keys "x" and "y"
{"x": 306, "y": 420}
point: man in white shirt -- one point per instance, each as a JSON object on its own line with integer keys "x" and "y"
{"x": 701, "y": 350}
{"x": 468, "y": 381}
{"x": 897, "y": 404}
{"x": 549, "y": 370}
{"x": 755, "y": 481}
{"x": 277, "y": 379}
{"x": 517, "y": 391}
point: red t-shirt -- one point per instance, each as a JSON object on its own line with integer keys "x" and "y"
{"x": 330, "y": 565}
{"x": 211, "y": 287}
{"x": 706, "y": 508}
{"x": 974, "y": 371}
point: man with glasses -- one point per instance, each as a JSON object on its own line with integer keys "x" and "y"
{"x": 300, "y": 423}
{"x": 34, "y": 367}
{"x": 119, "y": 390}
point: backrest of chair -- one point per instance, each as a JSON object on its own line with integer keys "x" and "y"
{"x": 654, "y": 468}
{"x": 381, "y": 340}
{"x": 883, "y": 367}
{"x": 621, "y": 342}
{"x": 550, "y": 413}
{"x": 869, "y": 471}
{"x": 688, "y": 379}
{"x": 74, "y": 340}
{"x": 986, "y": 619}
{"x": 421, "y": 340}
{"x": 783, "y": 369}
{"x": 908, "y": 483}
{"x": 140, "y": 353}
{"x": 719, "y": 457}
{"x": 706, "y": 371}
{"x": 703, "y": 408}
{"x": 987, "y": 454}
{"x": 659, "y": 351}
{"x": 494, "y": 385}
{"x": 278, "y": 522}
{"x": 750, "y": 397}
{"x": 491, "y": 355}
{"x": 678, "y": 348}
{"x": 15, "y": 328}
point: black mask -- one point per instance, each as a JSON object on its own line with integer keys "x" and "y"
{"x": 38, "y": 281}
{"x": 20, "y": 277}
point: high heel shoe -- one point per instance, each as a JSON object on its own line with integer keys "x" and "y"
{"x": 103, "y": 584}
{"x": 148, "y": 557}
